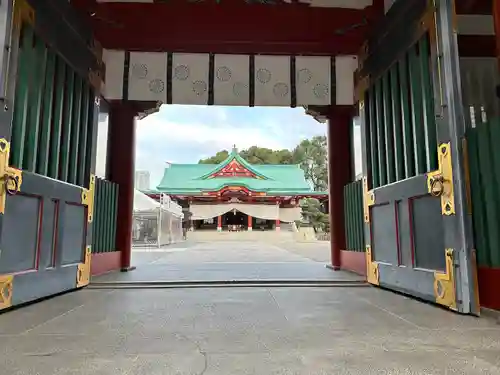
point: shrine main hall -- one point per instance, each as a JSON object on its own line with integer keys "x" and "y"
{"x": 237, "y": 195}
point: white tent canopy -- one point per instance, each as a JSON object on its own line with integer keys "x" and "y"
{"x": 143, "y": 203}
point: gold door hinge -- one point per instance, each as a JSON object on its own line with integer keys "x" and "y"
{"x": 6, "y": 286}
{"x": 372, "y": 271}
{"x": 11, "y": 178}
{"x": 440, "y": 182}
{"x": 88, "y": 198}
{"x": 83, "y": 272}
{"x": 444, "y": 283}
{"x": 368, "y": 200}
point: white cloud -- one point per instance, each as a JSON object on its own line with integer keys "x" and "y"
{"x": 156, "y": 129}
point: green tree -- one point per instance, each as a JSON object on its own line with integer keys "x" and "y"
{"x": 261, "y": 155}
{"x": 254, "y": 155}
{"x": 217, "y": 159}
{"x": 313, "y": 215}
{"x": 312, "y": 156}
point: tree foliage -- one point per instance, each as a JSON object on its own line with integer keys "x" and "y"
{"x": 310, "y": 154}
{"x": 218, "y": 158}
{"x": 313, "y": 215}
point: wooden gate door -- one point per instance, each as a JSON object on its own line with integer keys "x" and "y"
{"x": 46, "y": 152}
{"x": 413, "y": 223}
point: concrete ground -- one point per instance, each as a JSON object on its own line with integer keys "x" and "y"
{"x": 236, "y": 331}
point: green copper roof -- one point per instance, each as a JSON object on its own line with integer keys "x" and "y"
{"x": 189, "y": 179}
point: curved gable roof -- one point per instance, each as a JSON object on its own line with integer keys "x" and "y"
{"x": 195, "y": 178}
{"x": 234, "y": 156}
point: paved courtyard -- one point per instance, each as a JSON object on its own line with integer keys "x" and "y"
{"x": 229, "y": 261}
{"x": 234, "y": 330}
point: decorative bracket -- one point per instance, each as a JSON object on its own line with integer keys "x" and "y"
{"x": 372, "y": 272}
{"x": 11, "y": 178}
{"x": 83, "y": 273}
{"x": 6, "y": 286}
{"x": 444, "y": 284}
{"x": 369, "y": 200}
{"x": 88, "y": 198}
{"x": 440, "y": 182}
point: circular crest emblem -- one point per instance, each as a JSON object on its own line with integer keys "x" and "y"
{"x": 304, "y": 76}
{"x": 182, "y": 72}
{"x": 139, "y": 71}
{"x": 157, "y": 86}
{"x": 263, "y": 75}
{"x": 280, "y": 90}
{"x": 224, "y": 74}
{"x": 199, "y": 87}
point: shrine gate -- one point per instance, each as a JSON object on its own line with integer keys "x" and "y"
{"x": 422, "y": 221}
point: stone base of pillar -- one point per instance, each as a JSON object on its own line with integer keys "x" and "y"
{"x": 278, "y": 229}
{"x": 219, "y": 229}
{"x": 250, "y": 229}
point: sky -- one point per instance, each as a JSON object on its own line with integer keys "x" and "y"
{"x": 185, "y": 134}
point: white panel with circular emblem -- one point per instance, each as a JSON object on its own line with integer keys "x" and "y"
{"x": 272, "y": 81}
{"x": 313, "y": 80}
{"x": 190, "y": 73}
{"x": 231, "y": 80}
{"x": 148, "y": 76}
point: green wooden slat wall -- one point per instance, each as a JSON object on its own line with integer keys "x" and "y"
{"x": 400, "y": 121}
{"x": 51, "y": 121}
{"x": 353, "y": 213}
{"x": 484, "y": 163}
{"x": 105, "y": 216}
{"x": 52, "y": 129}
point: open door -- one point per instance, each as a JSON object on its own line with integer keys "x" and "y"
{"x": 414, "y": 224}
{"x": 47, "y": 149}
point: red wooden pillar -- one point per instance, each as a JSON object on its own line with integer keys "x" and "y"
{"x": 339, "y": 174}
{"x": 219, "y": 223}
{"x": 250, "y": 223}
{"x": 120, "y": 168}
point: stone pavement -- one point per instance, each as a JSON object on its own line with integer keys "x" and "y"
{"x": 237, "y": 331}
{"x": 227, "y": 261}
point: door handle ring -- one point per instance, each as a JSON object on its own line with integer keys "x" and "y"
{"x": 437, "y": 186}
{"x": 6, "y": 180}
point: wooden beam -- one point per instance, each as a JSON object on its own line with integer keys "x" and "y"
{"x": 474, "y": 6}
{"x": 234, "y": 27}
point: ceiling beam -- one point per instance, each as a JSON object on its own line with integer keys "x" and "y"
{"x": 233, "y": 27}
{"x": 474, "y": 6}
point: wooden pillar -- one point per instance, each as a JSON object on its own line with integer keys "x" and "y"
{"x": 277, "y": 226}
{"x": 120, "y": 168}
{"x": 250, "y": 219}
{"x": 219, "y": 223}
{"x": 339, "y": 174}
